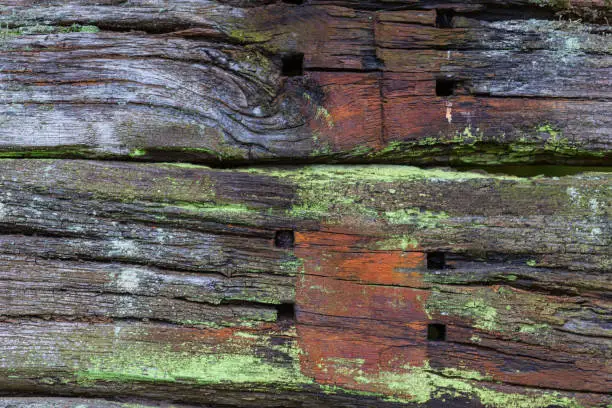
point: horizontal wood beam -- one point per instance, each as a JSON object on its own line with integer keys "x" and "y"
{"x": 276, "y": 286}
{"x": 220, "y": 84}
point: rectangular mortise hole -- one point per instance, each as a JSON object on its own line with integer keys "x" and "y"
{"x": 296, "y": 2}
{"x": 293, "y": 64}
{"x": 436, "y": 332}
{"x": 445, "y": 86}
{"x": 284, "y": 239}
{"x": 285, "y": 311}
{"x": 444, "y": 18}
{"x": 436, "y": 260}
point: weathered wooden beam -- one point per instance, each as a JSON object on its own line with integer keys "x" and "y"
{"x": 346, "y": 286}
{"x": 216, "y": 83}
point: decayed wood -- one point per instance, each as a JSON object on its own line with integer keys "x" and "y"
{"x": 164, "y": 281}
{"x": 203, "y": 82}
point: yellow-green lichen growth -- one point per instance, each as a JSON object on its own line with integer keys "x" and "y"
{"x": 414, "y": 216}
{"x": 249, "y": 36}
{"x": 87, "y": 29}
{"x": 150, "y": 363}
{"x": 533, "y": 328}
{"x": 477, "y": 307}
{"x": 423, "y": 384}
{"x": 137, "y": 153}
{"x": 293, "y": 266}
{"x": 403, "y": 242}
{"x": 483, "y": 314}
{"x": 332, "y": 192}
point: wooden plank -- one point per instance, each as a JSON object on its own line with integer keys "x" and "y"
{"x": 205, "y": 83}
{"x": 150, "y": 280}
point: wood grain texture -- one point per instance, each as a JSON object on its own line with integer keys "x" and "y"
{"x": 203, "y": 82}
{"x": 163, "y": 281}
{"x": 126, "y": 284}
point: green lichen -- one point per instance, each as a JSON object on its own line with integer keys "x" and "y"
{"x": 414, "y": 216}
{"x": 137, "y": 153}
{"x": 217, "y": 211}
{"x": 470, "y": 146}
{"x": 144, "y": 183}
{"x": 403, "y": 242}
{"x": 484, "y": 315}
{"x": 487, "y": 308}
{"x": 360, "y": 150}
{"x": 467, "y": 136}
{"x": 478, "y": 308}
{"x": 334, "y": 389}
{"x": 331, "y": 192}
{"x": 423, "y": 384}
{"x": 496, "y": 399}
{"x": 323, "y": 113}
{"x": 590, "y": 199}
{"x": 534, "y": 328}
{"x": 249, "y": 36}
{"x": 6, "y": 32}
{"x": 158, "y": 363}
{"x": 188, "y": 166}
{"x": 324, "y": 149}
{"x": 292, "y": 266}
{"x": 87, "y": 29}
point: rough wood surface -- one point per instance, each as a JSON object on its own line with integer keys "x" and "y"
{"x": 164, "y": 281}
{"x": 203, "y": 81}
{"x": 126, "y": 284}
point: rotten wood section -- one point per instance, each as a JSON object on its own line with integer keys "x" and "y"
{"x": 420, "y": 82}
{"x": 352, "y": 286}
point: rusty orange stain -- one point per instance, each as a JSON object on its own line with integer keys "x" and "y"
{"x": 360, "y": 311}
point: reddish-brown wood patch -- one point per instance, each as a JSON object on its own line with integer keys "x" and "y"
{"x": 357, "y": 315}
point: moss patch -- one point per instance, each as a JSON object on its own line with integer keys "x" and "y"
{"x": 423, "y": 384}
{"x": 333, "y": 192}
{"x": 414, "y": 216}
{"x": 200, "y": 364}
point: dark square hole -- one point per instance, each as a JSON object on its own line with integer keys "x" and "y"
{"x": 445, "y": 87}
{"x": 285, "y": 311}
{"x": 298, "y": 2}
{"x": 444, "y": 18}
{"x": 293, "y": 64}
{"x": 436, "y": 260}
{"x": 436, "y": 332}
{"x": 284, "y": 239}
